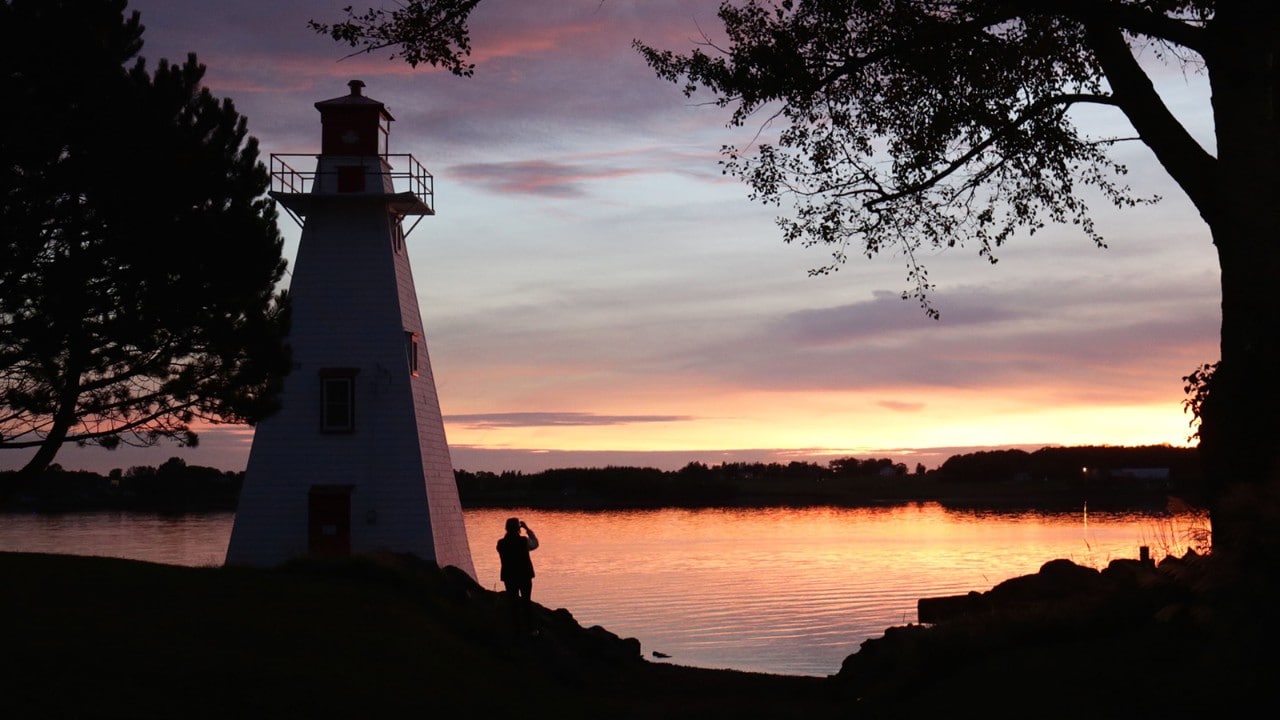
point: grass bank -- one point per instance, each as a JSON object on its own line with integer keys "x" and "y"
{"x": 394, "y": 637}
{"x": 361, "y": 638}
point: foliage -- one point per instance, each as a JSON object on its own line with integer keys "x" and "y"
{"x": 420, "y": 31}
{"x": 1196, "y": 387}
{"x": 914, "y": 126}
{"x": 173, "y": 487}
{"x": 1080, "y": 466}
{"x": 1047, "y": 477}
{"x": 137, "y": 295}
{"x": 869, "y": 467}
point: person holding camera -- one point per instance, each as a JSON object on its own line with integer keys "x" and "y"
{"x": 517, "y": 573}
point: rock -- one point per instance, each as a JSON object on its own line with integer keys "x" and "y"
{"x": 941, "y": 609}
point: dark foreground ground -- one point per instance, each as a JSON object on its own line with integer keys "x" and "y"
{"x": 393, "y": 637}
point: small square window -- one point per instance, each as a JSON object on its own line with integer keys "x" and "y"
{"x": 337, "y": 400}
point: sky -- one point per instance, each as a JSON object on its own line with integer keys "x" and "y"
{"x": 595, "y": 292}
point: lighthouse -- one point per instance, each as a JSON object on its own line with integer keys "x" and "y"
{"x": 356, "y": 460}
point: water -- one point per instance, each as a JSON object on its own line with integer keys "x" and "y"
{"x": 785, "y": 590}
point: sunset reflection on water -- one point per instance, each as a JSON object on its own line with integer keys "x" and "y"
{"x": 788, "y": 590}
{"x": 783, "y": 590}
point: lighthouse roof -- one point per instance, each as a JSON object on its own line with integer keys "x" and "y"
{"x": 355, "y": 99}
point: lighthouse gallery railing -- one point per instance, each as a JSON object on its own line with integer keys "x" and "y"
{"x": 412, "y": 178}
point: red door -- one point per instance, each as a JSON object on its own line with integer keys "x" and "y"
{"x": 329, "y": 520}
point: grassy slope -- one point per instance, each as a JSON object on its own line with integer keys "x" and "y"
{"x": 97, "y": 637}
{"x": 391, "y": 637}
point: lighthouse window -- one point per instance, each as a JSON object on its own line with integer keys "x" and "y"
{"x": 411, "y": 347}
{"x": 337, "y": 400}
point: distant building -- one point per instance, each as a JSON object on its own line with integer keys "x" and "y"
{"x": 1145, "y": 478}
{"x": 1141, "y": 473}
{"x": 1151, "y": 478}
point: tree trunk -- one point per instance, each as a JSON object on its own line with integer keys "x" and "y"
{"x": 52, "y": 442}
{"x": 1240, "y": 418}
{"x": 1240, "y": 430}
{"x": 65, "y": 415}
{"x": 43, "y": 457}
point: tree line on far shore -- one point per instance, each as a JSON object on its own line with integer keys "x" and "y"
{"x": 1049, "y": 477}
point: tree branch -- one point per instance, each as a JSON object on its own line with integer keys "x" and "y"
{"x": 1129, "y": 18}
{"x": 1189, "y": 164}
{"x": 138, "y": 423}
{"x": 977, "y": 149}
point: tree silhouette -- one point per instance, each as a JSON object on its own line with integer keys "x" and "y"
{"x": 913, "y": 124}
{"x": 141, "y": 255}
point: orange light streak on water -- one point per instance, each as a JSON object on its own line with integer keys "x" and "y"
{"x": 789, "y": 591}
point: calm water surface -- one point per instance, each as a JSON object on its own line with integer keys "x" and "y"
{"x": 791, "y": 591}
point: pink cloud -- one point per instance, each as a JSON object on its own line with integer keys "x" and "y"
{"x": 536, "y": 177}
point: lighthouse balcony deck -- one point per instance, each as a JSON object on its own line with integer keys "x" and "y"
{"x": 413, "y": 187}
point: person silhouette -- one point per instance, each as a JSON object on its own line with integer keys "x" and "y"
{"x": 517, "y": 573}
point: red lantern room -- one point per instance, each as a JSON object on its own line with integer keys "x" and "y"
{"x": 354, "y": 124}
{"x": 354, "y": 162}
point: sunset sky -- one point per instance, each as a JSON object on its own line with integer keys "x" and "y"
{"x": 595, "y": 292}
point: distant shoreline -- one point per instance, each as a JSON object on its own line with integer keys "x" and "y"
{"x": 1142, "y": 478}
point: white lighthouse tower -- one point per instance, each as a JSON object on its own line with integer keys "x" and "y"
{"x": 356, "y": 460}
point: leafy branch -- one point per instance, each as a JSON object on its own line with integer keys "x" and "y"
{"x": 433, "y": 32}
